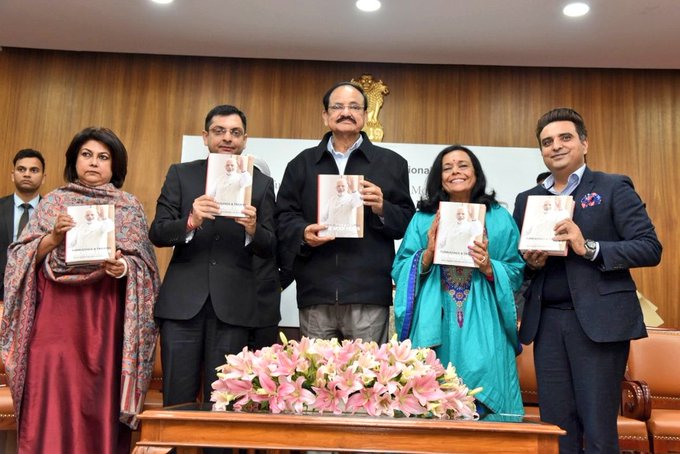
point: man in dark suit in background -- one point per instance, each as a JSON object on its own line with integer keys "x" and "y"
{"x": 221, "y": 291}
{"x": 28, "y": 174}
{"x": 344, "y": 288}
{"x": 581, "y": 310}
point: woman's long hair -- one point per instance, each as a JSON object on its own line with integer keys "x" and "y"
{"x": 434, "y": 191}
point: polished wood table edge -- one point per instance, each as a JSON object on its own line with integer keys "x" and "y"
{"x": 189, "y": 428}
{"x": 350, "y": 420}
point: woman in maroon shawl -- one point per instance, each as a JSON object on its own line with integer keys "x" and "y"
{"x": 78, "y": 341}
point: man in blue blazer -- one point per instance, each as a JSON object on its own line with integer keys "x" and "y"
{"x": 581, "y": 310}
{"x": 221, "y": 291}
{"x": 28, "y": 175}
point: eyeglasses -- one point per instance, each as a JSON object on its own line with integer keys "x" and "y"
{"x": 341, "y": 107}
{"x": 236, "y": 133}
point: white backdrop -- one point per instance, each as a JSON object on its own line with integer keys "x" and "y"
{"x": 508, "y": 171}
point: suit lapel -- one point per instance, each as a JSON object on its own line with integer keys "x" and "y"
{"x": 7, "y": 210}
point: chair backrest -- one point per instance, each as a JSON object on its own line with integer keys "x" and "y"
{"x": 656, "y": 360}
{"x": 3, "y": 374}
{"x": 527, "y": 375}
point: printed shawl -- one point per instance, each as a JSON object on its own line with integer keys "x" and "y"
{"x": 139, "y": 331}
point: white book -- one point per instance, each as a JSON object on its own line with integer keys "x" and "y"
{"x": 460, "y": 225}
{"x": 93, "y": 238}
{"x": 340, "y": 207}
{"x": 229, "y": 181}
{"x": 541, "y": 215}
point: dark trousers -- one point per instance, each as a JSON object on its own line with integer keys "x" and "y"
{"x": 579, "y": 382}
{"x": 192, "y": 349}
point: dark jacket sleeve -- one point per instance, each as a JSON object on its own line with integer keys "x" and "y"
{"x": 169, "y": 225}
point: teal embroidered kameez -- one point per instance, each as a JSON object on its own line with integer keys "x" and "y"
{"x": 482, "y": 349}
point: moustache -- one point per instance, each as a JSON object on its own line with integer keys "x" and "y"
{"x": 347, "y": 117}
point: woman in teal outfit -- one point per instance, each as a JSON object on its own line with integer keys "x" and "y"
{"x": 466, "y": 314}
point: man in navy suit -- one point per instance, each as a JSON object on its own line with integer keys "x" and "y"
{"x": 221, "y": 291}
{"x": 581, "y": 310}
{"x": 28, "y": 174}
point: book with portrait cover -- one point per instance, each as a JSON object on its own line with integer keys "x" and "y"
{"x": 460, "y": 225}
{"x": 229, "y": 181}
{"x": 93, "y": 238}
{"x": 340, "y": 207}
{"x": 538, "y": 228}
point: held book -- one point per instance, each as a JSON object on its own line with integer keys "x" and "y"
{"x": 340, "y": 207}
{"x": 541, "y": 215}
{"x": 229, "y": 181}
{"x": 93, "y": 238}
{"x": 460, "y": 225}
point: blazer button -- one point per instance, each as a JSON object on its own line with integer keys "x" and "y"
{"x": 213, "y": 262}
{"x": 217, "y": 238}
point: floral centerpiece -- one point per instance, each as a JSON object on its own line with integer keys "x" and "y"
{"x": 316, "y": 375}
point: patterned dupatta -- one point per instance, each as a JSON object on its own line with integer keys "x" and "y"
{"x": 139, "y": 331}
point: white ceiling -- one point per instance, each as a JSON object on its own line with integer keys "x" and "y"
{"x": 616, "y": 33}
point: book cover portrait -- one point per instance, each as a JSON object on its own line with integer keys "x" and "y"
{"x": 542, "y": 213}
{"x": 460, "y": 225}
{"x": 340, "y": 206}
{"x": 230, "y": 182}
{"x": 92, "y": 239}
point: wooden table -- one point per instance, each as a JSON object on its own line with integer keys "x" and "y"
{"x": 189, "y": 426}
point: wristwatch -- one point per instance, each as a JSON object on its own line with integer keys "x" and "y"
{"x": 591, "y": 249}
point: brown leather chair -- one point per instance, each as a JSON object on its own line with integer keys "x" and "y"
{"x": 527, "y": 383}
{"x": 632, "y": 432}
{"x": 7, "y": 417}
{"x": 656, "y": 361}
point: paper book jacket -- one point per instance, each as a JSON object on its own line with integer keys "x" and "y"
{"x": 229, "y": 181}
{"x": 93, "y": 238}
{"x": 460, "y": 225}
{"x": 340, "y": 207}
{"x": 541, "y": 215}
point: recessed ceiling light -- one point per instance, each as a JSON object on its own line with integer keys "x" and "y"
{"x": 162, "y": 2}
{"x": 577, "y": 9}
{"x": 368, "y": 5}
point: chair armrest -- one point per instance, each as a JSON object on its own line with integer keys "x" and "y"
{"x": 636, "y": 400}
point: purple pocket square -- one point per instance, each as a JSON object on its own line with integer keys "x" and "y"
{"x": 590, "y": 200}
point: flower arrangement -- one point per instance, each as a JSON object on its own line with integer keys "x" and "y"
{"x": 316, "y": 375}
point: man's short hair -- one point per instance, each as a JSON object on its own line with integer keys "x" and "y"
{"x": 29, "y": 153}
{"x": 327, "y": 96}
{"x": 223, "y": 111}
{"x": 562, "y": 114}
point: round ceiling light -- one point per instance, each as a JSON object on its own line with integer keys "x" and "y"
{"x": 577, "y": 9}
{"x": 162, "y": 2}
{"x": 368, "y": 5}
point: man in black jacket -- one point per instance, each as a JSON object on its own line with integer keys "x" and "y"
{"x": 344, "y": 288}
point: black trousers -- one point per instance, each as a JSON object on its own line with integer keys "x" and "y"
{"x": 579, "y": 382}
{"x": 192, "y": 349}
